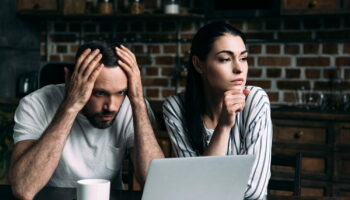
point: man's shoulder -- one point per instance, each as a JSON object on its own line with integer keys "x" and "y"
{"x": 48, "y": 94}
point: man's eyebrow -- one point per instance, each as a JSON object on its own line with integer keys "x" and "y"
{"x": 230, "y": 52}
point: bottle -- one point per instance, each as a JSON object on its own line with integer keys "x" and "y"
{"x": 136, "y": 7}
{"x": 171, "y": 7}
{"x": 105, "y": 7}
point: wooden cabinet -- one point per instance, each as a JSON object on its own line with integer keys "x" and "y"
{"x": 314, "y": 6}
{"x": 324, "y": 140}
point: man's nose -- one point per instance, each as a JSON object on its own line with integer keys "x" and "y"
{"x": 110, "y": 104}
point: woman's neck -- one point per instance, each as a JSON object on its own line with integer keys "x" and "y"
{"x": 213, "y": 105}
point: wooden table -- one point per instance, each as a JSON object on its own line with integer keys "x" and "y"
{"x": 53, "y": 193}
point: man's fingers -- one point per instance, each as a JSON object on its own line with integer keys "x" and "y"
{"x": 126, "y": 58}
{"x": 92, "y": 65}
{"x": 88, "y": 59}
{"x": 128, "y": 51}
{"x": 81, "y": 59}
{"x": 125, "y": 68}
{"x": 95, "y": 72}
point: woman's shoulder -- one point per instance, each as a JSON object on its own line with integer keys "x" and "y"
{"x": 174, "y": 103}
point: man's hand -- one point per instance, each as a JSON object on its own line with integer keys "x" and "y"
{"x": 80, "y": 82}
{"x": 129, "y": 64}
{"x": 234, "y": 102}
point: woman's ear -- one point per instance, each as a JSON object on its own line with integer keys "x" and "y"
{"x": 198, "y": 66}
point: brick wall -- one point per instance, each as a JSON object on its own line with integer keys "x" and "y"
{"x": 287, "y": 56}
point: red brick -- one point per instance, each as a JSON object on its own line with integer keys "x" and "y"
{"x": 165, "y": 60}
{"x": 167, "y": 71}
{"x": 273, "y": 25}
{"x": 122, "y": 27}
{"x": 347, "y": 74}
{"x": 168, "y": 92}
{"x": 260, "y": 35}
{"x": 152, "y": 93}
{"x": 186, "y": 49}
{"x": 293, "y": 73}
{"x": 236, "y": 24}
{"x": 106, "y": 27}
{"x": 254, "y": 25}
{"x": 137, "y": 49}
{"x": 158, "y": 36}
{"x": 55, "y": 58}
{"x": 151, "y": 71}
{"x": 311, "y": 48}
{"x": 263, "y": 84}
{"x": 338, "y": 35}
{"x": 346, "y": 48}
{"x": 273, "y": 49}
{"x": 155, "y": 81}
{"x": 343, "y": 61}
{"x": 313, "y": 61}
{"x": 153, "y": 49}
{"x": 313, "y": 23}
{"x": 331, "y": 74}
{"x": 330, "y": 48}
{"x": 273, "y": 73}
{"x": 322, "y": 85}
{"x": 312, "y": 73}
{"x": 293, "y": 85}
{"x": 289, "y": 97}
{"x": 61, "y": 49}
{"x": 254, "y": 49}
{"x": 274, "y": 61}
{"x": 63, "y": 38}
{"x": 187, "y": 26}
{"x": 187, "y": 36}
{"x": 60, "y": 27}
{"x": 251, "y": 61}
{"x": 294, "y": 35}
{"x": 273, "y": 96}
{"x": 252, "y": 72}
{"x": 74, "y": 48}
{"x": 169, "y": 49}
{"x": 69, "y": 58}
{"x": 292, "y": 24}
{"x": 291, "y": 49}
{"x": 143, "y": 60}
{"x": 75, "y": 27}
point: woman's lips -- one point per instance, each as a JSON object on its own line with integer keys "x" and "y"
{"x": 238, "y": 81}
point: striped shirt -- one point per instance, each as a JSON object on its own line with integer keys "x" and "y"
{"x": 251, "y": 134}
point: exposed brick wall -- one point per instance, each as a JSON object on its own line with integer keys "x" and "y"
{"x": 285, "y": 55}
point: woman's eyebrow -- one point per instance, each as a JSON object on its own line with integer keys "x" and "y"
{"x": 230, "y": 52}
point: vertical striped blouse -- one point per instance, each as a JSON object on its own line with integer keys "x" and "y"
{"x": 251, "y": 134}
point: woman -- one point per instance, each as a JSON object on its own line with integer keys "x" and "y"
{"x": 218, "y": 115}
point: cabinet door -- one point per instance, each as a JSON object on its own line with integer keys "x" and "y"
{"x": 342, "y": 167}
{"x": 310, "y": 6}
{"x": 341, "y": 190}
{"x": 315, "y": 188}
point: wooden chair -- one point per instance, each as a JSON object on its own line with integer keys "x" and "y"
{"x": 286, "y": 184}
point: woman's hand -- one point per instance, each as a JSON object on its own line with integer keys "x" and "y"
{"x": 80, "y": 82}
{"x": 233, "y": 102}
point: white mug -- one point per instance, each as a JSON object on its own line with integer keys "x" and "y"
{"x": 93, "y": 189}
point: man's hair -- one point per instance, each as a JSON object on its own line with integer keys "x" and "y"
{"x": 109, "y": 57}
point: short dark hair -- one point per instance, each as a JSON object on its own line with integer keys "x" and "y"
{"x": 194, "y": 95}
{"x": 109, "y": 57}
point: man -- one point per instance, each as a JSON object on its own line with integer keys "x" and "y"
{"x": 82, "y": 129}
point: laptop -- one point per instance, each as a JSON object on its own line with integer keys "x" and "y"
{"x": 198, "y": 178}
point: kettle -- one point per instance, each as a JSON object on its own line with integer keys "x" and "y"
{"x": 27, "y": 83}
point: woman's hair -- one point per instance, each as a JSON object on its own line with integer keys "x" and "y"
{"x": 194, "y": 96}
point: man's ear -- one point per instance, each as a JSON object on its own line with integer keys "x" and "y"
{"x": 197, "y": 64}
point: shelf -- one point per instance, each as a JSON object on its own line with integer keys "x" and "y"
{"x": 114, "y": 16}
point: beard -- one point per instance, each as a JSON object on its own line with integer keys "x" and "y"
{"x": 96, "y": 119}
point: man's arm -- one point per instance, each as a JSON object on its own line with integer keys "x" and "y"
{"x": 146, "y": 146}
{"x": 34, "y": 162}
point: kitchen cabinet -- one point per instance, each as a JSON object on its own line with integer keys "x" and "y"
{"x": 324, "y": 141}
{"x": 307, "y": 7}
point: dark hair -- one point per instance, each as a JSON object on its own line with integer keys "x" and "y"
{"x": 194, "y": 94}
{"x": 109, "y": 57}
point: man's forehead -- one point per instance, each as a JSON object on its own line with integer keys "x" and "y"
{"x": 112, "y": 78}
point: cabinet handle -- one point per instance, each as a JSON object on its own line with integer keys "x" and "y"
{"x": 298, "y": 134}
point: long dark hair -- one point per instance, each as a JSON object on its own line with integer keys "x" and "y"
{"x": 194, "y": 95}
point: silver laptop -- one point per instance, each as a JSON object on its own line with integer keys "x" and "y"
{"x": 198, "y": 178}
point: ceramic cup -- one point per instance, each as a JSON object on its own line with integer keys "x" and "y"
{"x": 93, "y": 189}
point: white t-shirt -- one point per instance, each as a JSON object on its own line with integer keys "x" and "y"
{"x": 89, "y": 152}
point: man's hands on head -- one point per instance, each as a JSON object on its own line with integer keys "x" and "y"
{"x": 129, "y": 64}
{"x": 80, "y": 82}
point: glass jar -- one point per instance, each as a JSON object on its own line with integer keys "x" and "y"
{"x": 171, "y": 7}
{"x": 136, "y": 7}
{"x": 105, "y": 7}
